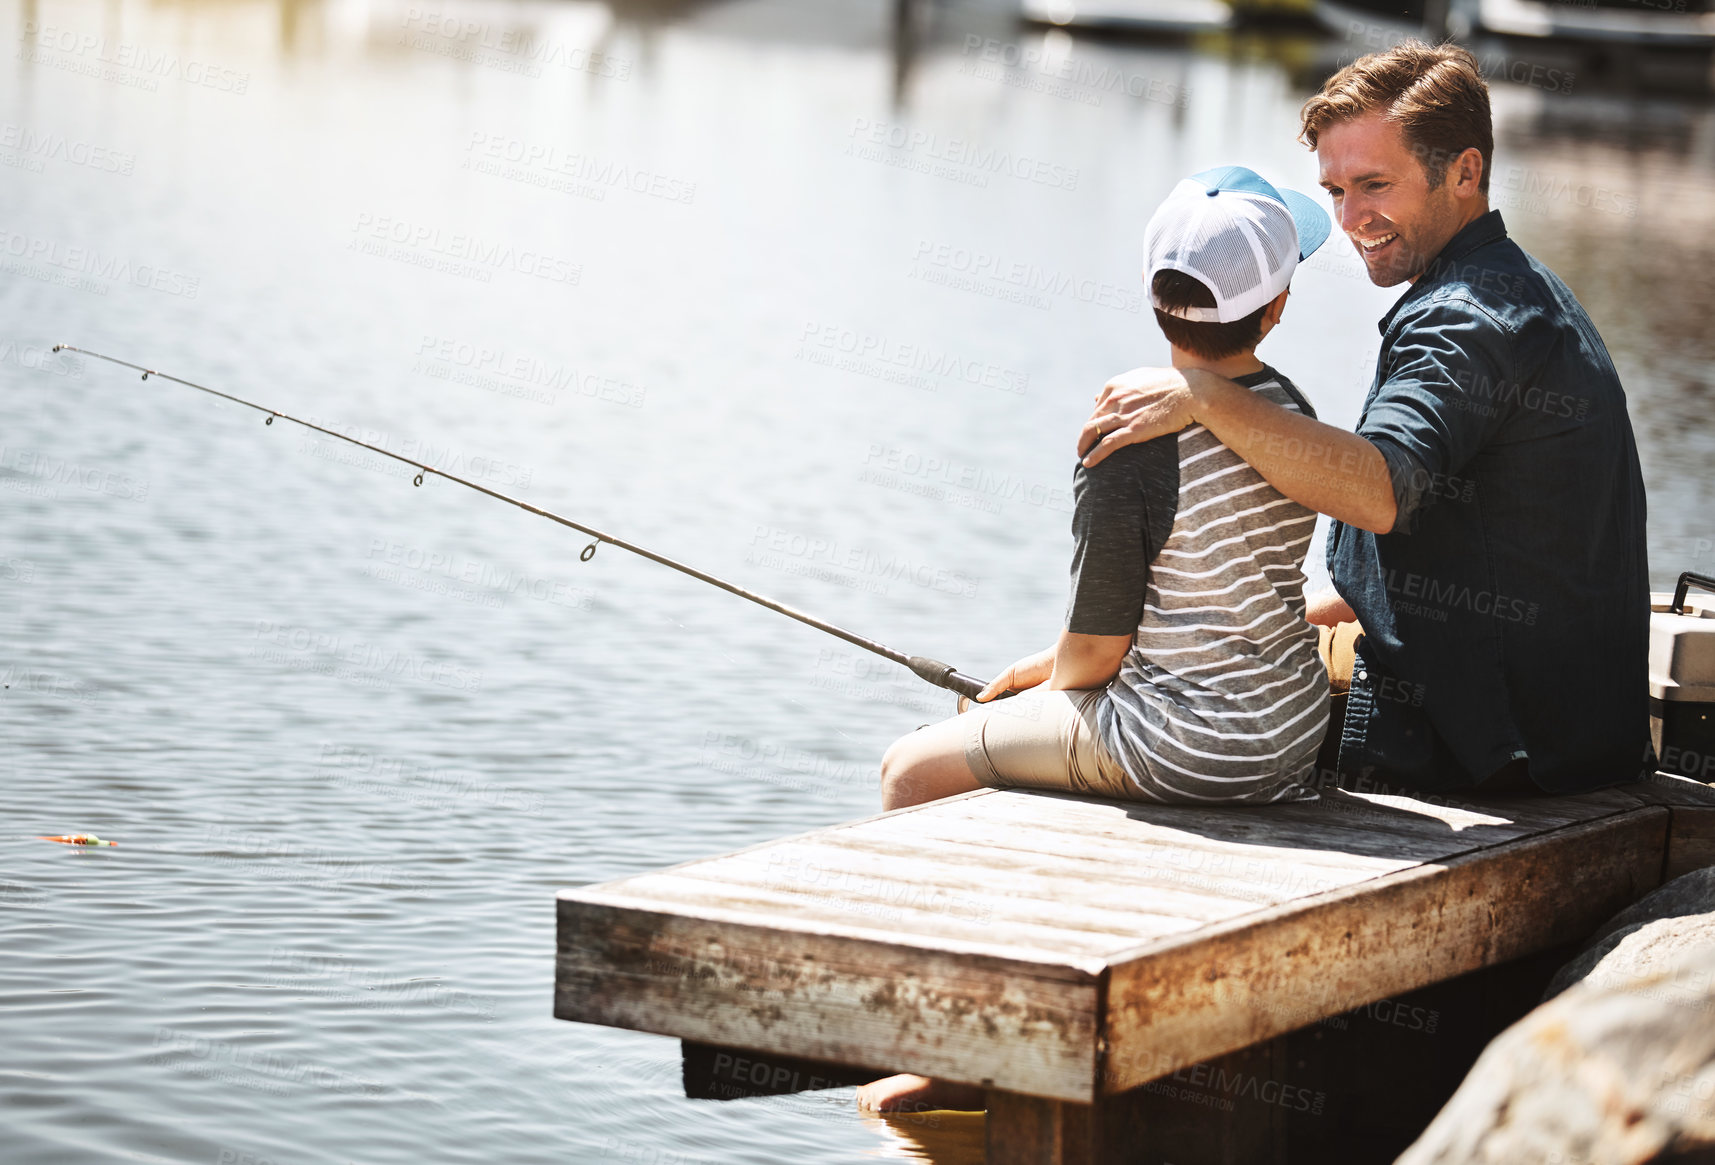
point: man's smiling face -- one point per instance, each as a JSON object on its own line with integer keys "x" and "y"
{"x": 1383, "y": 200}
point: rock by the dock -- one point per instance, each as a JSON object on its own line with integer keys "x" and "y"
{"x": 1670, "y": 921}
{"x": 1618, "y": 1067}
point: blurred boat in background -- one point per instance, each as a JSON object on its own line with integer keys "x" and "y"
{"x": 1592, "y": 24}
{"x": 1151, "y": 17}
{"x": 1166, "y": 17}
{"x": 1638, "y": 22}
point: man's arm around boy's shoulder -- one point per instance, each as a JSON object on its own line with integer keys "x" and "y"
{"x": 1328, "y": 469}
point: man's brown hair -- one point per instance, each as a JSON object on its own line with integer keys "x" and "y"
{"x": 1176, "y": 289}
{"x": 1435, "y": 93}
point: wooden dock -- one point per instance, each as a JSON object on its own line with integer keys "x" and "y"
{"x": 1062, "y": 952}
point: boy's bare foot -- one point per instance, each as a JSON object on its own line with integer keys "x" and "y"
{"x": 908, "y": 1093}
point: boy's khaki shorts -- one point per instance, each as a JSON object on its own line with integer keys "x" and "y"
{"x": 1042, "y": 739}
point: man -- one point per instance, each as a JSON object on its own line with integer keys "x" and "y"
{"x": 1489, "y": 511}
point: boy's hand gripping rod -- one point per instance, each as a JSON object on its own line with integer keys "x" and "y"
{"x": 942, "y": 675}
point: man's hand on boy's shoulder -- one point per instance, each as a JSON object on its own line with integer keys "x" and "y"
{"x": 1134, "y": 406}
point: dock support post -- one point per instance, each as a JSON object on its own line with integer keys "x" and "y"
{"x": 1033, "y": 1130}
{"x": 1205, "y": 1115}
{"x": 1690, "y": 840}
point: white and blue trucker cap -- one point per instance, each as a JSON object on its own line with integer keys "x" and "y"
{"x": 1234, "y": 232}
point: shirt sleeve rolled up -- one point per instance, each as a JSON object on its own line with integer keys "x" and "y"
{"x": 1447, "y": 392}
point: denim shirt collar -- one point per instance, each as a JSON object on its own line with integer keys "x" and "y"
{"x": 1479, "y": 232}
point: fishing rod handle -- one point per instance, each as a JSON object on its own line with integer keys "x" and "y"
{"x": 968, "y": 686}
{"x": 945, "y": 675}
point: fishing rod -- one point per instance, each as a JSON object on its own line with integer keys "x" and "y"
{"x": 942, "y": 675}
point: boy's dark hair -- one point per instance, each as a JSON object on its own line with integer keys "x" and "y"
{"x": 1176, "y": 289}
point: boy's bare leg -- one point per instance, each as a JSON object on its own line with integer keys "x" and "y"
{"x": 909, "y": 1093}
{"x": 927, "y": 765}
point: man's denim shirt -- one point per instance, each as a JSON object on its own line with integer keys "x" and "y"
{"x": 1506, "y": 614}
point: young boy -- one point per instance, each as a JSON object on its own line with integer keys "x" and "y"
{"x": 1186, "y": 672}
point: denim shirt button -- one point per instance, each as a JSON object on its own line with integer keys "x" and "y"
{"x": 1362, "y": 674}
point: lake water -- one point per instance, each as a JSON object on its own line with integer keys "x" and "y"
{"x": 767, "y": 286}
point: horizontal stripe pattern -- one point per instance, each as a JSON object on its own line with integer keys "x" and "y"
{"x": 1223, "y": 696}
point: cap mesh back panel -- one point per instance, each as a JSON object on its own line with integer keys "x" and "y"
{"x": 1224, "y": 259}
{"x": 1206, "y": 246}
{"x": 1277, "y": 234}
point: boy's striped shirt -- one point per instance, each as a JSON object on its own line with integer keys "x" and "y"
{"x": 1223, "y": 696}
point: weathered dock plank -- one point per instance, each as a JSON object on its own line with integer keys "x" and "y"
{"x": 850, "y": 998}
{"x": 1069, "y": 949}
{"x": 1176, "y": 1002}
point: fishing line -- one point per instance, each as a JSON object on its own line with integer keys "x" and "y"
{"x": 942, "y": 675}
